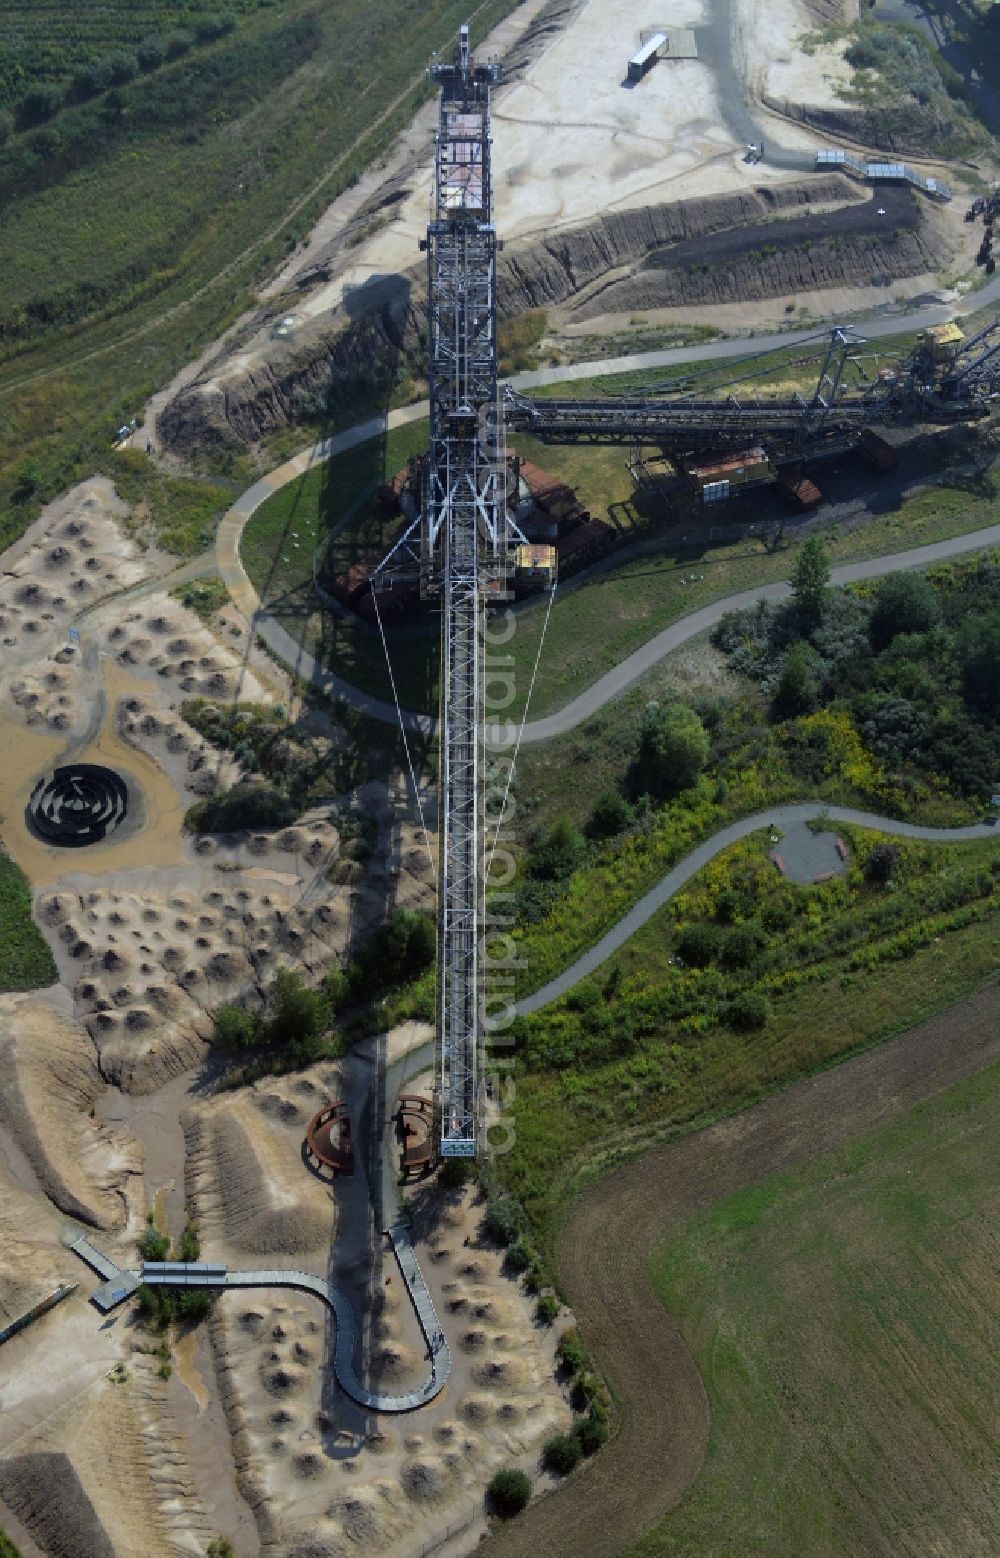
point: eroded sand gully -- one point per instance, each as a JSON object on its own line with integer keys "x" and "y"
{"x": 107, "y": 1113}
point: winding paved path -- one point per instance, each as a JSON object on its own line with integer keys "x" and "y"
{"x": 303, "y": 664}
{"x": 680, "y": 874}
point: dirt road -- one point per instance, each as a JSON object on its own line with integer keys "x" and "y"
{"x": 659, "y": 1447}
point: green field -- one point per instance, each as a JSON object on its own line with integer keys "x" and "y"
{"x": 25, "y": 960}
{"x": 844, "y": 1320}
{"x": 119, "y": 265}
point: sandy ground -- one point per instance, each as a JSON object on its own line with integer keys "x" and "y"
{"x": 571, "y": 139}
{"x": 768, "y": 36}
{"x": 107, "y": 1113}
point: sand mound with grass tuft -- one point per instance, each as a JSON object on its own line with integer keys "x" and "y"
{"x": 391, "y": 1362}
{"x": 425, "y": 1480}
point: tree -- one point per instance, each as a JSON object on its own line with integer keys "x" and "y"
{"x": 557, "y": 853}
{"x": 797, "y": 691}
{"x": 296, "y": 1015}
{"x": 978, "y": 650}
{"x": 904, "y": 603}
{"x": 810, "y": 578}
{"x": 611, "y": 814}
{"x": 561, "y": 1454}
{"x": 673, "y": 748}
{"x": 509, "y": 1491}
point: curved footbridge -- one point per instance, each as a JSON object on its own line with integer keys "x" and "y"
{"x": 119, "y": 1285}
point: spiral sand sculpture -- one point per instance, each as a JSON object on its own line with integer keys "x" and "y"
{"x": 77, "y": 805}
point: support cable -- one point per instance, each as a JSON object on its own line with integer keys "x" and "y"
{"x": 524, "y": 721}
{"x": 402, "y": 728}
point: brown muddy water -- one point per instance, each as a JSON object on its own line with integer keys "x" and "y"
{"x": 28, "y": 754}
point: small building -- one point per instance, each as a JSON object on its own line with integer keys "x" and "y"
{"x": 645, "y": 58}
{"x": 717, "y": 481}
{"x": 535, "y": 567}
{"x": 942, "y": 341}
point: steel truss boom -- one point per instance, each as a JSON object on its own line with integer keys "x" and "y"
{"x": 792, "y": 426}
{"x": 466, "y": 537}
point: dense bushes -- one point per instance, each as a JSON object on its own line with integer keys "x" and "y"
{"x": 396, "y": 953}
{"x": 244, "y": 806}
{"x": 913, "y": 667}
{"x": 673, "y": 749}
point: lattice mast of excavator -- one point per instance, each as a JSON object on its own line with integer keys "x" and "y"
{"x": 466, "y": 539}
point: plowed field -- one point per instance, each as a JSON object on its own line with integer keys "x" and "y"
{"x": 604, "y": 1253}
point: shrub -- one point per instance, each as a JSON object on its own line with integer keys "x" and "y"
{"x": 152, "y": 52}
{"x": 557, "y": 852}
{"x": 244, "y": 806}
{"x": 296, "y": 1015}
{"x": 508, "y": 1491}
{"x": 520, "y": 1255}
{"x": 503, "y": 1219}
{"x": 742, "y": 946}
{"x": 153, "y": 1245}
{"x": 673, "y": 748}
{"x": 547, "y": 1308}
{"x": 699, "y": 944}
{"x": 188, "y": 1245}
{"x": 398, "y": 951}
{"x": 561, "y": 1454}
{"x": 40, "y": 103}
{"x": 571, "y": 1352}
{"x": 747, "y": 1012}
{"x": 217, "y": 26}
{"x": 122, "y": 66}
{"x": 592, "y": 1432}
{"x": 234, "y": 1027}
{"x": 178, "y": 42}
{"x": 882, "y": 863}
{"x": 611, "y": 814}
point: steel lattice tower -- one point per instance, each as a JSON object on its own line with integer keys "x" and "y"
{"x": 465, "y": 543}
